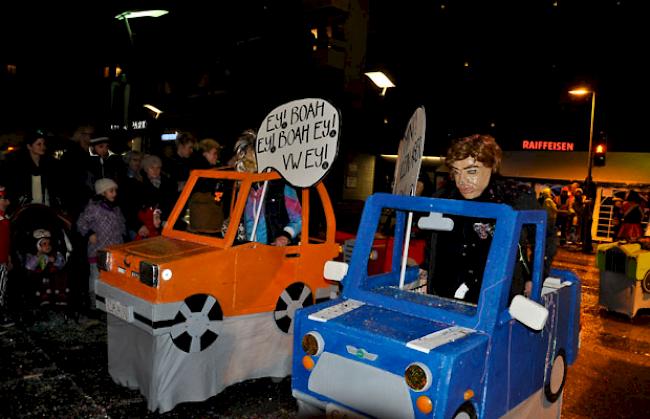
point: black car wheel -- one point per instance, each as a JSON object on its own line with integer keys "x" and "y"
{"x": 197, "y": 324}
{"x": 557, "y": 377}
{"x": 294, "y": 297}
{"x": 465, "y": 411}
{"x": 645, "y": 284}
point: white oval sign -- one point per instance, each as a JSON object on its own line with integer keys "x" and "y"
{"x": 300, "y": 140}
{"x": 409, "y": 154}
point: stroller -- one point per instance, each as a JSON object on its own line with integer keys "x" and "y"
{"x": 45, "y": 261}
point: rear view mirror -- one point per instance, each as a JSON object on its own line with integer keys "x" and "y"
{"x": 435, "y": 221}
{"x": 528, "y": 312}
{"x": 334, "y": 270}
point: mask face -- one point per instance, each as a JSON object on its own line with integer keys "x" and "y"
{"x": 247, "y": 161}
{"x": 471, "y": 177}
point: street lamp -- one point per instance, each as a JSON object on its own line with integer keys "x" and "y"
{"x": 134, "y": 14}
{"x": 153, "y": 109}
{"x": 381, "y": 80}
{"x": 582, "y": 92}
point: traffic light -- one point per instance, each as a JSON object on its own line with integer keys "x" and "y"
{"x": 599, "y": 155}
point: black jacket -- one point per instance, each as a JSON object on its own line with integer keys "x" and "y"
{"x": 461, "y": 254}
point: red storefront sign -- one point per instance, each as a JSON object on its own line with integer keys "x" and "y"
{"x": 547, "y": 145}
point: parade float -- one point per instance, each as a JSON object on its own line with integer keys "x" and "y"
{"x": 388, "y": 348}
{"x": 198, "y": 309}
{"x": 624, "y": 276}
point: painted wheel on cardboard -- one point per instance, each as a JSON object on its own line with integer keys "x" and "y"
{"x": 197, "y": 324}
{"x": 465, "y": 411}
{"x": 295, "y": 296}
{"x": 557, "y": 377}
{"x": 645, "y": 284}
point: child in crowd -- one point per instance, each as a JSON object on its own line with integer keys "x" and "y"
{"x": 103, "y": 224}
{"x": 44, "y": 259}
{"x": 150, "y": 218}
{"x": 43, "y": 266}
{"x": 5, "y": 259}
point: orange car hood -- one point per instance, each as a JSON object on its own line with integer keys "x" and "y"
{"x": 162, "y": 247}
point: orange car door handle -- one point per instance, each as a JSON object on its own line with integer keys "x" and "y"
{"x": 292, "y": 255}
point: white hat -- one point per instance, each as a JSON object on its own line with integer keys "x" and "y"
{"x": 41, "y": 233}
{"x": 104, "y": 184}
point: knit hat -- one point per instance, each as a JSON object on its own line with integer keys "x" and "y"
{"x": 104, "y": 184}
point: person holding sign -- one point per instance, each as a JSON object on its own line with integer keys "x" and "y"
{"x": 280, "y": 219}
{"x": 460, "y": 255}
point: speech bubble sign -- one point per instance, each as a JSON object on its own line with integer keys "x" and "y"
{"x": 409, "y": 154}
{"x": 300, "y": 140}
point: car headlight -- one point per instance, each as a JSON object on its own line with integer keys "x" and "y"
{"x": 104, "y": 260}
{"x": 149, "y": 274}
{"x": 418, "y": 376}
{"x": 313, "y": 343}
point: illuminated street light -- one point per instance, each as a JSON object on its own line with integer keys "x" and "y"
{"x": 582, "y": 92}
{"x": 153, "y": 109}
{"x": 134, "y": 14}
{"x": 381, "y": 80}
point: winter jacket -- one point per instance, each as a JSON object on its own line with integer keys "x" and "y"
{"x": 104, "y": 219}
{"x": 281, "y": 214}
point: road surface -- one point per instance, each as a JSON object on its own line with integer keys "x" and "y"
{"x": 57, "y": 368}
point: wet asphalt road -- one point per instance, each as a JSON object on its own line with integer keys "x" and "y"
{"x": 611, "y": 377}
{"x": 58, "y": 368}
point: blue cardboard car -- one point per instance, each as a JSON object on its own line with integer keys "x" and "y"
{"x": 388, "y": 348}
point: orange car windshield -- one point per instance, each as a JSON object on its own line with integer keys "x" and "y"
{"x": 208, "y": 208}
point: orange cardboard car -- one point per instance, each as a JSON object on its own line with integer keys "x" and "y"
{"x": 199, "y": 271}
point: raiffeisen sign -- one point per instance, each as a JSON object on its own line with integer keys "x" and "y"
{"x": 547, "y": 145}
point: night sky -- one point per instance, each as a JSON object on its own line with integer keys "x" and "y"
{"x": 499, "y": 67}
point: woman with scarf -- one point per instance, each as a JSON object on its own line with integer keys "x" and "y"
{"x": 31, "y": 175}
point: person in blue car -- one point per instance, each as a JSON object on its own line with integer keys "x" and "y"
{"x": 474, "y": 164}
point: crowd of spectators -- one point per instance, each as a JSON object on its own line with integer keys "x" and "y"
{"x": 571, "y": 212}
{"x": 105, "y": 197}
